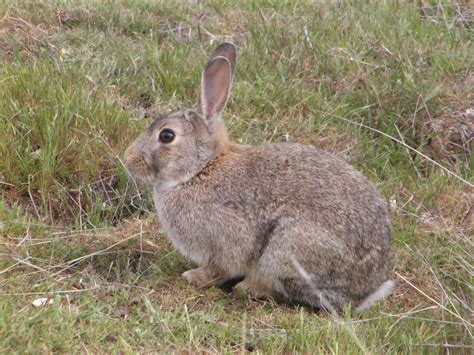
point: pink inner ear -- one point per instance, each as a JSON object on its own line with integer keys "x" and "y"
{"x": 215, "y": 86}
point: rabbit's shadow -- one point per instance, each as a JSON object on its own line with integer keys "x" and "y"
{"x": 229, "y": 285}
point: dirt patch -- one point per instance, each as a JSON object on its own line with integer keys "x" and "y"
{"x": 449, "y": 135}
{"x": 452, "y": 136}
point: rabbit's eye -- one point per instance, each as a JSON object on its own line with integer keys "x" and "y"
{"x": 167, "y": 136}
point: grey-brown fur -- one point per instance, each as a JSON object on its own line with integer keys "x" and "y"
{"x": 252, "y": 211}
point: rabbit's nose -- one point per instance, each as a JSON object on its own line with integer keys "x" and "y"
{"x": 132, "y": 155}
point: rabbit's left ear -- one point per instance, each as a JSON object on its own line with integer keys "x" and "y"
{"x": 216, "y": 81}
{"x": 229, "y": 52}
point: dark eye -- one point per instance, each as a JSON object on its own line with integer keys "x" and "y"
{"x": 167, "y": 136}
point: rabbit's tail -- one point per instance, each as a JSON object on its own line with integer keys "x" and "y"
{"x": 380, "y": 293}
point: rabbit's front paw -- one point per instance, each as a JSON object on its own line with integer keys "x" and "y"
{"x": 203, "y": 277}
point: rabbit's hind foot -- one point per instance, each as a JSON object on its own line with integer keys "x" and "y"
{"x": 248, "y": 288}
{"x": 204, "y": 277}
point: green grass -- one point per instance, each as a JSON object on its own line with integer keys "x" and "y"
{"x": 80, "y": 79}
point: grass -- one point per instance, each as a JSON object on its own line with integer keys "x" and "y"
{"x": 385, "y": 85}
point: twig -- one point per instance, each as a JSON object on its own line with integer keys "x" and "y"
{"x": 26, "y": 262}
{"x": 3, "y": 182}
{"x": 10, "y": 267}
{"x": 26, "y": 237}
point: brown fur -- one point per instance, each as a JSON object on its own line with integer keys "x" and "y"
{"x": 252, "y": 211}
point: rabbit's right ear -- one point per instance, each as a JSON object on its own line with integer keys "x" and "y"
{"x": 216, "y": 81}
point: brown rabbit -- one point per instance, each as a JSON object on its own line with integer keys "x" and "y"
{"x": 295, "y": 222}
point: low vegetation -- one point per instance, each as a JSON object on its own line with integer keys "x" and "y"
{"x": 387, "y": 85}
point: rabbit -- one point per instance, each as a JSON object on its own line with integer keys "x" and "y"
{"x": 295, "y": 223}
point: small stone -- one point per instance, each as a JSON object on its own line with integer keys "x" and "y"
{"x": 43, "y": 301}
{"x": 470, "y": 113}
{"x": 135, "y": 302}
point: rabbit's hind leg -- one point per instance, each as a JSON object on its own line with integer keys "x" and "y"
{"x": 205, "y": 276}
{"x": 299, "y": 265}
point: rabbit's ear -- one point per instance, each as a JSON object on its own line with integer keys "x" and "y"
{"x": 229, "y": 52}
{"x": 216, "y": 81}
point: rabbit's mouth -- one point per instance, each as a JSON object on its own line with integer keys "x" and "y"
{"x": 138, "y": 167}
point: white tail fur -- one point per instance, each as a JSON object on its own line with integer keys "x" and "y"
{"x": 380, "y": 293}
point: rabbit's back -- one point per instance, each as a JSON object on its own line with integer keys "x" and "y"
{"x": 276, "y": 180}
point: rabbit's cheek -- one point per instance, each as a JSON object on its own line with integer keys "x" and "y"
{"x": 150, "y": 164}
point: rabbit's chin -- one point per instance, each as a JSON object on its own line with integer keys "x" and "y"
{"x": 161, "y": 184}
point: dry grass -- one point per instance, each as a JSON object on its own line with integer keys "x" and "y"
{"x": 387, "y": 86}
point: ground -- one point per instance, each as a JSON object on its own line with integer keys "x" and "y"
{"x": 386, "y": 85}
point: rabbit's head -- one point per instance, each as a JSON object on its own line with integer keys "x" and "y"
{"x": 177, "y": 146}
